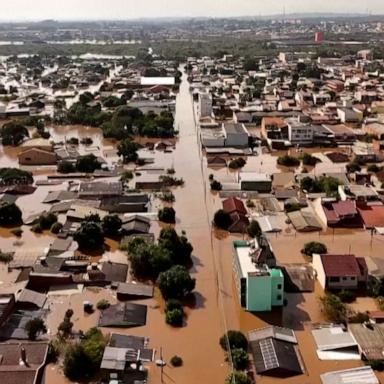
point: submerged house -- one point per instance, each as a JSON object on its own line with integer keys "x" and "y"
{"x": 23, "y": 363}
{"x": 341, "y": 213}
{"x": 259, "y": 287}
{"x": 337, "y": 272}
{"x": 335, "y": 343}
{"x": 36, "y": 156}
{"x": 237, "y": 211}
{"x": 275, "y": 352}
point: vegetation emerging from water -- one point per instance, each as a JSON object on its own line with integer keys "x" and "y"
{"x": 288, "y": 161}
{"x": 82, "y": 360}
{"x": 10, "y": 214}
{"x": 324, "y": 184}
{"x": 123, "y": 122}
{"x": 314, "y": 247}
{"x": 12, "y": 176}
{"x": 149, "y": 260}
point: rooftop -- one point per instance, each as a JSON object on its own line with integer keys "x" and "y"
{"x": 360, "y": 375}
{"x": 255, "y": 177}
{"x": 234, "y": 128}
{"x": 340, "y": 265}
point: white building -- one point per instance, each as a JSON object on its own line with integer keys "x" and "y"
{"x": 299, "y": 133}
{"x": 205, "y": 105}
{"x": 212, "y": 137}
{"x": 236, "y": 135}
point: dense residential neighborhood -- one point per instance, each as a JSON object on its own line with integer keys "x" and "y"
{"x": 192, "y": 200}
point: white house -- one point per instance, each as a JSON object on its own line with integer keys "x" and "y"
{"x": 299, "y": 133}
{"x": 205, "y": 104}
{"x": 236, "y": 135}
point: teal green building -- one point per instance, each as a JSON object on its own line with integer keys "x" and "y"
{"x": 260, "y": 288}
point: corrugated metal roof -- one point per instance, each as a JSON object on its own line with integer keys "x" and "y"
{"x": 361, "y": 375}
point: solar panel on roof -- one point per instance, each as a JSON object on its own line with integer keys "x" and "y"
{"x": 268, "y": 352}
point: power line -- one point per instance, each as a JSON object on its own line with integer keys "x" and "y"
{"x": 216, "y": 269}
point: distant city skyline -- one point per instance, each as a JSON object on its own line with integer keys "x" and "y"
{"x": 14, "y": 10}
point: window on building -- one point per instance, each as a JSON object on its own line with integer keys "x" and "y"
{"x": 278, "y": 297}
{"x": 344, "y": 278}
{"x": 334, "y": 279}
{"x": 353, "y": 278}
{"x": 279, "y": 286}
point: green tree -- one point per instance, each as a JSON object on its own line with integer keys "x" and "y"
{"x": 126, "y": 176}
{"x": 94, "y": 345}
{"x": 176, "y": 361}
{"x": 56, "y": 228}
{"x": 13, "y": 134}
{"x": 124, "y": 117}
{"x": 238, "y": 377}
{"x": 176, "y": 282}
{"x": 46, "y": 220}
{"x": 11, "y": 176}
{"x": 174, "y": 317}
{"x": 310, "y": 160}
{"x": 314, "y": 247}
{"x": 222, "y": 219}
{"x": 180, "y": 249}
{"x": 239, "y": 358}
{"x": 233, "y": 340}
{"x": 333, "y": 308}
{"x": 167, "y": 215}
{"x": 102, "y": 304}
{"x": 65, "y": 327}
{"x": 128, "y": 150}
{"x": 10, "y": 214}
{"x": 111, "y": 225}
{"x": 254, "y": 229}
{"x": 82, "y": 360}
{"x": 77, "y": 365}
{"x": 374, "y": 168}
{"x": 237, "y": 163}
{"x": 89, "y": 236}
{"x": 353, "y": 167}
{"x": 65, "y": 167}
{"x": 35, "y": 327}
{"x": 216, "y": 185}
{"x": 288, "y": 161}
{"x": 148, "y": 260}
{"x": 324, "y": 184}
{"x": 250, "y": 64}
{"x": 88, "y": 163}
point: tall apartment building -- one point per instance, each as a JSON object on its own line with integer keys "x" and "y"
{"x": 260, "y": 287}
{"x": 205, "y": 105}
{"x": 299, "y": 133}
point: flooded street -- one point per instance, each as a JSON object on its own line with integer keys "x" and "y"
{"x": 216, "y": 307}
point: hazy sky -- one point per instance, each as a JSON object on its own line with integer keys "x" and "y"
{"x": 126, "y": 9}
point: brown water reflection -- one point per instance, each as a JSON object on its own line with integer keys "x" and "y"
{"x": 216, "y": 307}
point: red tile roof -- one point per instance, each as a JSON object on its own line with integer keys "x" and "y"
{"x": 376, "y": 314}
{"x": 337, "y": 211}
{"x": 234, "y": 205}
{"x": 340, "y": 265}
{"x": 239, "y": 223}
{"x": 11, "y": 371}
{"x": 345, "y": 208}
{"x": 372, "y": 216}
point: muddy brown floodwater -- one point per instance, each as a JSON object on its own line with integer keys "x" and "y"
{"x": 216, "y": 307}
{"x": 198, "y": 341}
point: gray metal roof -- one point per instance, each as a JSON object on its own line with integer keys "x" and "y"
{"x": 361, "y": 375}
{"x": 331, "y": 338}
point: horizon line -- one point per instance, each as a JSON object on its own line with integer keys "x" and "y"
{"x": 307, "y": 15}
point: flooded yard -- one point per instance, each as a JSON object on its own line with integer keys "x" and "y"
{"x": 216, "y": 307}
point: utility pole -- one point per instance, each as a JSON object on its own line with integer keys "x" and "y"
{"x": 162, "y": 363}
